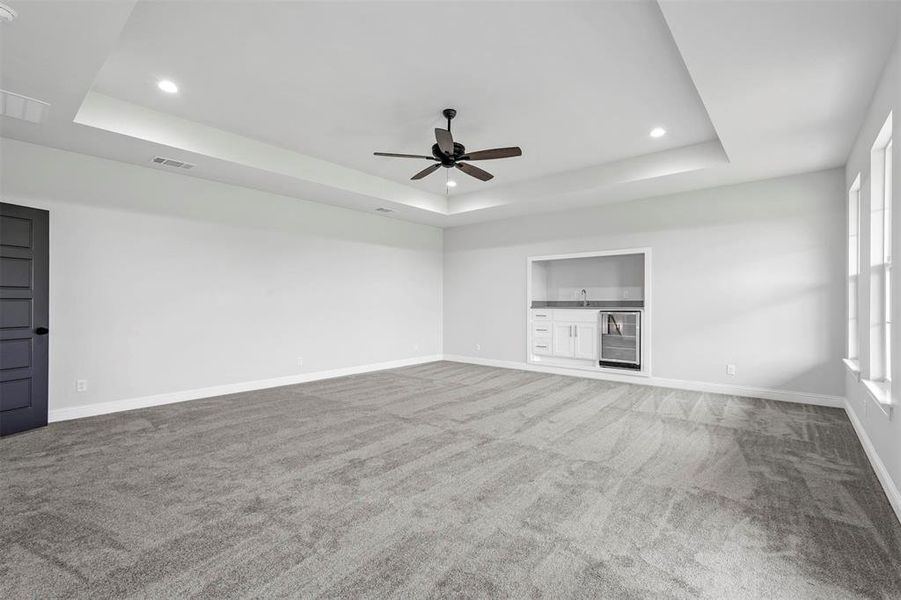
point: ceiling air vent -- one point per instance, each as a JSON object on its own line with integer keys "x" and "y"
{"x": 382, "y": 209}
{"x": 171, "y": 162}
{"x": 22, "y": 107}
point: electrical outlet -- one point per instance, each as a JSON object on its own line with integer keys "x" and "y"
{"x": 478, "y": 347}
{"x": 300, "y": 361}
{"x": 81, "y": 385}
{"x": 415, "y": 347}
{"x": 625, "y": 294}
{"x": 730, "y": 369}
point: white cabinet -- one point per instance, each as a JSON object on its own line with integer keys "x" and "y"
{"x": 542, "y": 334}
{"x": 575, "y": 340}
{"x": 565, "y": 333}
{"x": 542, "y": 347}
{"x": 542, "y": 329}
{"x": 586, "y": 341}
{"x": 576, "y": 315}
{"x": 564, "y": 341}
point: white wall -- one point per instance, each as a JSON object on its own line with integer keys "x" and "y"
{"x": 749, "y": 274}
{"x": 883, "y": 431}
{"x": 163, "y": 283}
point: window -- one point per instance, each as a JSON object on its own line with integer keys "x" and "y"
{"x": 881, "y": 260}
{"x": 887, "y": 262}
{"x": 854, "y": 270}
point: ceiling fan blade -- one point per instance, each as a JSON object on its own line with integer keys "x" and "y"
{"x": 493, "y": 153}
{"x": 445, "y": 141}
{"x": 392, "y": 154}
{"x": 427, "y": 171}
{"x": 474, "y": 171}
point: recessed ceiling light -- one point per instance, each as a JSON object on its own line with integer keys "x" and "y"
{"x": 451, "y": 183}
{"x": 167, "y": 86}
{"x": 658, "y": 132}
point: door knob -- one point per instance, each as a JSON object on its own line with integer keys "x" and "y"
{"x": 42, "y": 331}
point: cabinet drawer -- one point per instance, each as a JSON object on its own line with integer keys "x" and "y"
{"x": 542, "y": 347}
{"x": 576, "y": 315}
{"x": 542, "y": 314}
{"x": 541, "y": 329}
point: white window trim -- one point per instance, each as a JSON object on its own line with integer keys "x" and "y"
{"x": 879, "y": 388}
{"x": 887, "y": 244}
{"x": 853, "y": 358}
{"x": 853, "y": 366}
{"x": 881, "y": 393}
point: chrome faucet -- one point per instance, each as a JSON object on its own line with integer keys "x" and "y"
{"x": 584, "y": 297}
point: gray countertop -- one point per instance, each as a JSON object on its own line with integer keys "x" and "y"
{"x": 592, "y": 304}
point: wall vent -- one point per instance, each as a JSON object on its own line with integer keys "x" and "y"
{"x": 22, "y": 107}
{"x": 171, "y": 162}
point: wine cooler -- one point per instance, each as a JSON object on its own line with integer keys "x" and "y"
{"x": 620, "y": 339}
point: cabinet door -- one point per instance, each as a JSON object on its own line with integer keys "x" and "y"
{"x": 563, "y": 339}
{"x": 586, "y": 341}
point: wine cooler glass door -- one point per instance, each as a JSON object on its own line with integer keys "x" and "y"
{"x": 620, "y": 338}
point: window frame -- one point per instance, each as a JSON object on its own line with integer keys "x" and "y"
{"x": 887, "y": 242}
{"x": 853, "y": 277}
{"x": 878, "y": 374}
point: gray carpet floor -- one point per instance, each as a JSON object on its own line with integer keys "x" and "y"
{"x": 448, "y": 480}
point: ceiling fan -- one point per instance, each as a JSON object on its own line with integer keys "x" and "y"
{"x": 447, "y": 153}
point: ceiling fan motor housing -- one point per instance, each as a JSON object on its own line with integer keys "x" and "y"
{"x": 448, "y": 161}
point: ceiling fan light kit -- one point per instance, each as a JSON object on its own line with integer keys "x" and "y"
{"x": 450, "y": 154}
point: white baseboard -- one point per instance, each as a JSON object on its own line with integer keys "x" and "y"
{"x": 695, "y": 386}
{"x": 102, "y": 408}
{"x": 892, "y": 491}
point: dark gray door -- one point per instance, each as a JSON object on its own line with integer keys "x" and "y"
{"x": 24, "y": 303}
